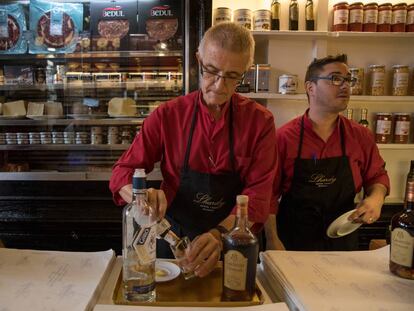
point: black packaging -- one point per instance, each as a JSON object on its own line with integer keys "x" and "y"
{"x": 159, "y": 26}
{"x": 112, "y": 22}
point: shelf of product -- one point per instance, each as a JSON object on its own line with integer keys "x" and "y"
{"x": 355, "y": 98}
{"x": 52, "y": 147}
{"x": 303, "y": 34}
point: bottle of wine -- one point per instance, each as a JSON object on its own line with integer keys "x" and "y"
{"x": 349, "y": 113}
{"x": 364, "y": 118}
{"x": 402, "y": 234}
{"x": 310, "y": 20}
{"x": 139, "y": 243}
{"x": 293, "y": 15}
{"x": 275, "y": 9}
{"x": 240, "y": 249}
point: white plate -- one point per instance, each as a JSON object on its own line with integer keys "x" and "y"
{"x": 44, "y": 117}
{"x": 165, "y": 271}
{"x": 342, "y": 226}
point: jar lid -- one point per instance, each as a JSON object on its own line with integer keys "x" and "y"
{"x": 383, "y": 114}
{"x": 376, "y": 66}
{"x": 355, "y": 68}
{"x": 400, "y": 4}
{"x": 402, "y": 114}
{"x": 341, "y": 3}
{"x": 242, "y": 10}
{"x": 399, "y": 66}
{"x": 356, "y": 3}
{"x": 386, "y": 4}
{"x": 371, "y": 3}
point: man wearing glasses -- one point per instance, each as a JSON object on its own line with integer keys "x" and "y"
{"x": 324, "y": 160}
{"x": 213, "y": 144}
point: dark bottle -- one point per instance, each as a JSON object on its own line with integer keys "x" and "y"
{"x": 310, "y": 20}
{"x": 293, "y": 15}
{"x": 364, "y": 118}
{"x": 402, "y": 234}
{"x": 275, "y": 9}
{"x": 240, "y": 249}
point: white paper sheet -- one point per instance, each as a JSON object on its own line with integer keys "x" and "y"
{"x": 48, "y": 280}
{"x": 340, "y": 281}
{"x": 266, "y": 307}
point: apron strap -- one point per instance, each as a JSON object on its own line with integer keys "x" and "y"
{"x": 190, "y": 137}
{"x": 341, "y": 132}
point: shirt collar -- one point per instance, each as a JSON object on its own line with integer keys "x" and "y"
{"x": 204, "y": 109}
{"x": 308, "y": 123}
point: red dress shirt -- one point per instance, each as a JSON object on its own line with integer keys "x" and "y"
{"x": 164, "y": 135}
{"x": 367, "y": 166}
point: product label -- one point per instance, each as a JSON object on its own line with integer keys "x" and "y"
{"x": 399, "y": 17}
{"x": 384, "y": 17}
{"x": 356, "y": 16}
{"x": 402, "y": 245}
{"x": 383, "y": 127}
{"x": 145, "y": 244}
{"x": 402, "y": 128}
{"x": 235, "y": 270}
{"x": 400, "y": 80}
{"x": 370, "y": 17}
{"x": 341, "y": 17}
{"x": 56, "y": 22}
{"x": 288, "y": 84}
{"x": 410, "y": 17}
{"x": 309, "y": 13}
{"x": 377, "y": 80}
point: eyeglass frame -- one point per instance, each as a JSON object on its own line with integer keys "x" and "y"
{"x": 351, "y": 80}
{"x": 217, "y": 76}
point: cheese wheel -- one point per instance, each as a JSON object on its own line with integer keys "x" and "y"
{"x": 35, "y": 109}
{"x": 125, "y": 107}
{"x": 16, "y": 108}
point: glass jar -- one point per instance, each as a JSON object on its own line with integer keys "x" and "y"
{"x": 401, "y": 127}
{"x": 400, "y": 80}
{"x": 399, "y": 17}
{"x": 409, "y": 27}
{"x": 384, "y": 17}
{"x": 370, "y": 17}
{"x": 358, "y": 74}
{"x": 221, "y": 14}
{"x": 383, "y": 127}
{"x": 377, "y": 80}
{"x": 340, "y": 16}
{"x": 356, "y": 16}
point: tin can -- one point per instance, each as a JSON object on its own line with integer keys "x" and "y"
{"x": 221, "y": 14}
{"x": 358, "y": 74}
{"x": 262, "y": 20}
{"x": 262, "y": 77}
{"x": 243, "y": 17}
{"x": 288, "y": 84}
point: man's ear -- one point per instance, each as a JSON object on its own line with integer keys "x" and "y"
{"x": 310, "y": 87}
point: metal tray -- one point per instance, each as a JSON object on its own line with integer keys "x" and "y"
{"x": 196, "y": 292}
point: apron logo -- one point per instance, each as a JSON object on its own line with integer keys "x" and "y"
{"x": 207, "y": 203}
{"x": 321, "y": 181}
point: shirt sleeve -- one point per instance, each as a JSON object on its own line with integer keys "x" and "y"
{"x": 278, "y": 181}
{"x": 373, "y": 170}
{"x": 260, "y": 176}
{"x": 144, "y": 152}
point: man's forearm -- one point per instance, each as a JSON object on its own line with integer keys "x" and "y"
{"x": 126, "y": 193}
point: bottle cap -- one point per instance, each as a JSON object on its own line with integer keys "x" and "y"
{"x": 242, "y": 199}
{"x": 140, "y": 173}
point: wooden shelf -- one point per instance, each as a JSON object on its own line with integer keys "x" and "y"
{"x": 53, "y": 147}
{"x": 303, "y": 34}
{"x": 51, "y": 122}
{"x": 395, "y": 146}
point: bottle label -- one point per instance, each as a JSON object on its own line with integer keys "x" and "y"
{"x": 402, "y": 245}
{"x": 402, "y": 128}
{"x": 341, "y": 17}
{"x": 356, "y": 16}
{"x": 399, "y": 17}
{"x": 378, "y": 79}
{"x": 235, "y": 270}
{"x": 275, "y": 10}
{"x": 145, "y": 244}
{"x": 410, "y": 17}
{"x": 383, "y": 127}
{"x": 294, "y": 13}
{"x": 400, "y": 80}
{"x": 370, "y": 16}
{"x": 162, "y": 227}
{"x": 384, "y": 17}
{"x": 309, "y": 13}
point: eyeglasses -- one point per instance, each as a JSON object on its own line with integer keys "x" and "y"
{"x": 337, "y": 80}
{"x": 231, "y": 78}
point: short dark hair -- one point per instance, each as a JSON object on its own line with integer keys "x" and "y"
{"x": 316, "y": 66}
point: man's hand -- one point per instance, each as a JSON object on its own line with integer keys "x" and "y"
{"x": 158, "y": 200}
{"x": 369, "y": 209}
{"x": 204, "y": 254}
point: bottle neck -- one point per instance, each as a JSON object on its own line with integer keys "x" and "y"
{"x": 409, "y": 195}
{"x": 242, "y": 218}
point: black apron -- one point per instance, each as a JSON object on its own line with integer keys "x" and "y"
{"x": 321, "y": 190}
{"x": 203, "y": 200}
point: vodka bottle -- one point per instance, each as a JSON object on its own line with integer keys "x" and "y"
{"x": 240, "y": 249}
{"x": 139, "y": 243}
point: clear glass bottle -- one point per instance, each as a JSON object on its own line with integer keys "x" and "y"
{"x": 293, "y": 15}
{"x": 309, "y": 18}
{"x": 275, "y": 9}
{"x": 364, "y": 118}
{"x": 139, "y": 243}
{"x": 349, "y": 113}
{"x": 402, "y": 234}
{"x": 240, "y": 250}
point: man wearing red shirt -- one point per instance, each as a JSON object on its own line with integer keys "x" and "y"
{"x": 325, "y": 159}
{"x": 213, "y": 144}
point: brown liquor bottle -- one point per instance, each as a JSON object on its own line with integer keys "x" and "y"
{"x": 309, "y": 19}
{"x": 240, "y": 249}
{"x": 293, "y": 15}
{"x": 275, "y": 9}
{"x": 402, "y": 234}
